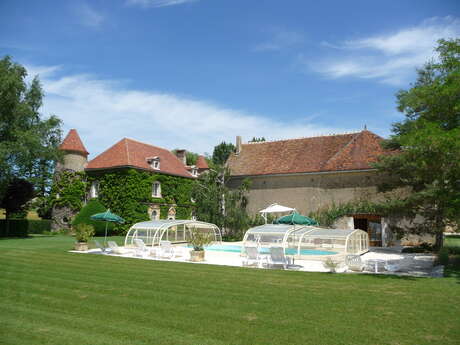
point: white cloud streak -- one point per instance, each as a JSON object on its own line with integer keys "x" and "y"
{"x": 157, "y": 3}
{"x": 88, "y": 16}
{"x": 103, "y": 112}
{"x": 390, "y": 58}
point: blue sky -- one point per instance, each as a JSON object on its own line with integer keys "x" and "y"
{"x": 191, "y": 73}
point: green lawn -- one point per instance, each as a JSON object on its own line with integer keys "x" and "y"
{"x": 49, "y": 296}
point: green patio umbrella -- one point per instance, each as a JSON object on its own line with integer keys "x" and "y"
{"x": 296, "y": 218}
{"x": 107, "y": 216}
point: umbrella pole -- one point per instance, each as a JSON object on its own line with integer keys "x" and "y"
{"x": 105, "y": 237}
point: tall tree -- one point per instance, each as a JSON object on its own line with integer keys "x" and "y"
{"x": 221, "y": 152}
{"x": 28, "y": 142}
{"x": 217, "y": 204}
{"x": 428, "y": 140}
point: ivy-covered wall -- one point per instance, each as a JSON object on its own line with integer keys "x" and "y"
{"x": 128, "y": 192}
{"x": 68, "y": 190}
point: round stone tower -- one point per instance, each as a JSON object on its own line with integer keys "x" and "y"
{"x": 74, "y": 160}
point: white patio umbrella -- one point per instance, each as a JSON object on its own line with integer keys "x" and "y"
{"x": 275, "y": 208}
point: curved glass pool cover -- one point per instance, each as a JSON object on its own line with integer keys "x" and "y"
{"x": 152, "y": 232}
{"x": 298, "y": 239}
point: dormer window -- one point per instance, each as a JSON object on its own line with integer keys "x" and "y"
{"x": 154, "y": 162}
{"x": 156, "y": 190}
{"x": 195, "y": 171}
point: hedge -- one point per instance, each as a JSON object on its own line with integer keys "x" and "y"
{"x": 39, "y": 226}
{"x": 83, "y": 217}
{"x": 17, "y": 228}
{"x": 23, "y": 227}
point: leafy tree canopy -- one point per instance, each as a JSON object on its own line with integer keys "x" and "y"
{"x": 28, "y": 143}
{"x": 18, "y": 193}
{"x": 217, "y": 204}
{"x": 221, "y": 153}
{"x": 257, "y": 140}
{"x": 428, "y": 140}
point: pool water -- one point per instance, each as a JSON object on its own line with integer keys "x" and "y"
{"x": 289, "y": 251}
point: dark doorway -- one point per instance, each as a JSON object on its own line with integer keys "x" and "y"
{"x": 372, "y": 225}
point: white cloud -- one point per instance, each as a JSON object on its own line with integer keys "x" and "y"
{"x": 104, "y": 111}
{"x": 88, "y": 16}
{"x": 279, "y": 40}
{"x": 390, "y": 58}
{"x": 157, "y": 3}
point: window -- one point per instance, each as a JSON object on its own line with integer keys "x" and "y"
{"x": 155, "y": 215}
{"x": 156, "y": 190}
{"x": 194, "y": 171}
{"x": 154, "y": 162}
{"x": 172, "y": 213}
{"x": 94, "y": 190}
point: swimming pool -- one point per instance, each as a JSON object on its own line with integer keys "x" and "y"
{"x": 289, "y": 251}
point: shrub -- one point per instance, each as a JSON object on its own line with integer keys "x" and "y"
{"x": 331, "y": 265}
{"x": 15, "y": 228}
{"x": 422, "y": 248}
{"x": 84, "y": 232}
{"x": 83, "y": 217}
{"x": 39, "y": 226}
{"x": 443, "y": 256}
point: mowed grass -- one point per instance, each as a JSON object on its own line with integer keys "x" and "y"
{"x": 50, "y": 296}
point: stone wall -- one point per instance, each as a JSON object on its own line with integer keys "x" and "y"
{"x": 62, "y": 218}
{"x": 72, "y": 161}
{"x": 310, "y": 192}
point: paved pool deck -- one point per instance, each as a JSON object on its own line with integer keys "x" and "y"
{"x": 413, "y": 264}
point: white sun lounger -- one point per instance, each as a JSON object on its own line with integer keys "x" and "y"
{"x": 140, "y": 247}
{"x": 278, "y": 257}
{"x": 116, "y": 249}
{"x": 252, "y": 257}
{"x": 166, "y": 250}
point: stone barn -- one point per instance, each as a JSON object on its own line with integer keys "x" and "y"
{"x": 310, "y": 174}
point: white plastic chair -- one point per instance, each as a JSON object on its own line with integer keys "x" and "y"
{"x": 392, "y": 266}
{"x": 252, "y": 257}
{"x": 116, "y": 249}
{"x": 141, "y": 248}
{"x": 278, "y": 257}
{"x": 101, "y": 247}
{"x": 166, "y": 249}
{"x": 355, "y": 263}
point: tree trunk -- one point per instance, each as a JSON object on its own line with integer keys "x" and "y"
{"x": 439, "y": 233}
{"x": 439, "y": 239}
{"x": 7, "y": 218}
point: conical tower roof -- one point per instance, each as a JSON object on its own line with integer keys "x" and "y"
{"x": 201, "y": 163}
{"x": 72, "y": 142}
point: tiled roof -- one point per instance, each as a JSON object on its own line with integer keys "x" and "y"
{"x": 201, "y": 163}
{"x": 132, "y": 153}
{"x": 72, "y": 142}
{"x": 318, "y": 154}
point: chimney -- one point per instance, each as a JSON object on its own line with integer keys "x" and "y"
{"x": 181, "y": 155}
{"x": 238, "y": 144}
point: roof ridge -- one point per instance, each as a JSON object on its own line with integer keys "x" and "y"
{"x": 302, "y": 138}
{"x": 143, "y": 143}
{"x": 339, "y": 152}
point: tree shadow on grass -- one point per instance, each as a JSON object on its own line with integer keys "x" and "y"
{"x": 452, "y": 270}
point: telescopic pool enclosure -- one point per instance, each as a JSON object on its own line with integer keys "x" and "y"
{"x": 301, "y": 240}
{"x": 152, "y": 232}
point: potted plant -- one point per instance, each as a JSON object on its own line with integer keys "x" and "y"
{"x": 331, "y": 265}
{"x": 83, "y": 233}
{"x": 198, "y": 240}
